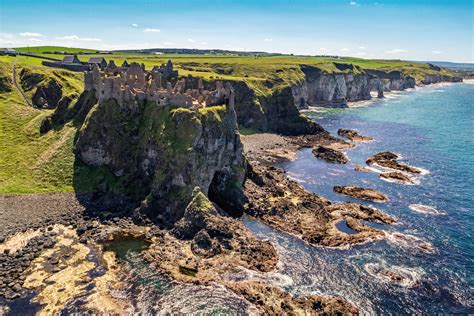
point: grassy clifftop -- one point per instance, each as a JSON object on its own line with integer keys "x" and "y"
{"x": 43, "y": 163}
{"x": 32, "y": 162}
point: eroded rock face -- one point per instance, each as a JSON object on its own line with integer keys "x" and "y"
{"x": 47, "y": 96}
{"x": 330, "y": 154}
{"x": 436, "y": 78}
{"x": 393, "y": 80}
{"x": 160, "y": 154}
{"x": 332, "y": 90}
{"x": 213, "y": 238}
{"x": 361, "y": 193}
{"x": 276, "y": 113}
{"x": 286, "y": 205}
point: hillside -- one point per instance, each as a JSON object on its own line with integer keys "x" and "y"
{"x": 266, "y": 101}
{"x": 51, "y": 49}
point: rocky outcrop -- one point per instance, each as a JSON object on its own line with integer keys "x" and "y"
{"x": 397, "y": 177}
{"x": 392, "y": 80}
{"x": 47, "y": 96}
{"x": 353, "y": 135}
{"x": 436, "y": 78}
{"x": 275, "y": 113}
{"x": 331, "y": 89}
{"x": 361, "y": 193}
{"x": 48, "y": 91}
{"x": 273, "y": 301}
{"x": 389, "y": 160}
{"x": 203, "y": 239}
{"x": 160, "y": 154}
{"x": 330, "y": 154}
{"x": 66, "y": 112}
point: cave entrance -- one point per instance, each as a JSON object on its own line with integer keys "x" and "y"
{"x": 224, "y": 192}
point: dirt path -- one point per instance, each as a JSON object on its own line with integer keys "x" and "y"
{"x": 17, "y": 87}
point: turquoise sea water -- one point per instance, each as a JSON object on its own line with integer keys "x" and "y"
{"x": 431, "y": 128}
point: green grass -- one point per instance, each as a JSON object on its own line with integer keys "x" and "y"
{"x": 43, "y": 49}
{"x": 31, "y": 162}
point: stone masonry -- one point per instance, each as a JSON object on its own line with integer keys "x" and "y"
{"x": 134, "y": 83}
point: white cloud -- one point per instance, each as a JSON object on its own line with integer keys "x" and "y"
{"x": 31, "y": 34}
{"x": 168, "y": 43}
{"x": 191, "y": 40}
{"x": 396, "y": 51}
{"x": 361, "y": 53}
{"x": 34, "y": 40}
{"x": 203, "y": 43}
{"x": 354, "y": 3}
{"x": 268, "y": 39}
{"x": 436, "y": 52}
{"x": 135, "y": 25}
{"x": 76, "y": 38}
{"x": 322, "y": 49}
{"x": 362, "y": 47}
{"x": 148, "y": 30}
{"x": 345, "y": 49}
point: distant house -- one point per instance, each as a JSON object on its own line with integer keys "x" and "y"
{"x": 99, "y": 61}
{"x": 70, "y": 59}
{"x": 8, "y": 52}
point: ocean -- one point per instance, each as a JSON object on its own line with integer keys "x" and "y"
{"x": 431, "y": 128}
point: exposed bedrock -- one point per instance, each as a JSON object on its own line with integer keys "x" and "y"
{"x": 353, "y": 135}
{"x": 158, "y": 155}
{"x": 392, "y": 80}
{"x": 330, "y": 154}
{"x": 389, "y": 160}
{"x": 48, "y": 91}
{"x": 331, "y": 90}
{"x": 276, "y": 113}
{"x": 361, "y": 193}
{"x": 436, "y": 78}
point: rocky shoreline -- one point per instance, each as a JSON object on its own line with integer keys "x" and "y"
{"x": 61, "y": 230}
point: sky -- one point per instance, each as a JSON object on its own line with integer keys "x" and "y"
{"x": 440, "y": 30}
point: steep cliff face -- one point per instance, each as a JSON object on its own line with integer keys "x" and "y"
{"x": 276, "y": 113}
{"x": 393, "y": 80}
{"x": 332, "y": 90}
{"x": 436, "y": 78}
{"x": 160, "y": 154}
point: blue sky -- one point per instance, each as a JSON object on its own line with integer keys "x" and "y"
{"x": 411, "y": 29}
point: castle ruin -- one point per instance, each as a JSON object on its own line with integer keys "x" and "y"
{"x": 132, "y": 82}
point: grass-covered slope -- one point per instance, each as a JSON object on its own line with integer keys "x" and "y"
{"x": 31, "y": 162}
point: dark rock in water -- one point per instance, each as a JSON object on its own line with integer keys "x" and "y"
{"x": 389, "y": 160}
{"x": 353, "y": 135}
{"x": 271, "y": 300}
{"x": 361, "y": 193}
{"x": 397, "y": 177}
{"x": 330, "y": 154}
{"x": 361, "y": 168}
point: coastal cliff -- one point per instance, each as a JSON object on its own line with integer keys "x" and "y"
{"x": 158, "y": 155}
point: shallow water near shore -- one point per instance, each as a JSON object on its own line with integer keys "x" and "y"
{"x": 430, "y": 128}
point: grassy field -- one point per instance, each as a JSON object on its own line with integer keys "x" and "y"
{"x": 42, "y": 49}
{"x": 263, "y": 74}
{"x": 31, "y": 162}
